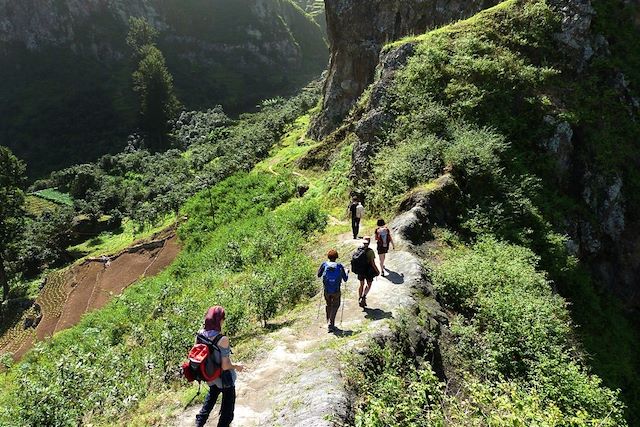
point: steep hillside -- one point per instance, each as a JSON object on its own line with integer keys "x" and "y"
{"x": 563, "y": 106}
{"x": 66, "y": 75}
{"x": 357, "y": 30}
{"x": 502, "y": 149}
{"x": 528, "y": 109}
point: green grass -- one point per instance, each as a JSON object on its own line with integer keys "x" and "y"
{"x": 291, "y": 147}
{"x": 111, "y": 242}
{"x": 250, "y": 263}
{"x": 470, "y": 24}
{"x": 510, "y": 354}
{"x": 55, "y": 196}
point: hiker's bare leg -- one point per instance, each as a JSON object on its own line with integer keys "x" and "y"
{"x": 360, "y": 289}
{"x": 368, "y": 288}
{"x": 382, "y": 257}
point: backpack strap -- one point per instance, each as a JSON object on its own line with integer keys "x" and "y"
{"x": 212, "y": 342}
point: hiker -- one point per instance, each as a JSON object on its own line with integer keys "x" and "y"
{"x": 363, "y": 263}
{"x": 356, "y": 211}
{"x": 383, "y": 239}
{"x": 225, "y": 384}
{"x": 106, "y": 261}
{"x": 333, "y": 274}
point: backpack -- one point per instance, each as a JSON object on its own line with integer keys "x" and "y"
{"x": 359, "y": 263}
{"x": 382, "y": 236}
{"x": 332, "y": 277}
{"x": 352, "y": 208}
{"x": 202, "y": 363}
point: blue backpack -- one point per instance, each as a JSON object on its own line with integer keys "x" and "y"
{"x": 332, "y": 277}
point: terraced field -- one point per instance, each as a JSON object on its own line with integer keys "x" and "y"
{"x": 54, "y": 294}
{"x": 36, "y": 205}
{"x": 15, "y": 338}
{"x": 88, "y": 285}
{"x": 54, "y": 196}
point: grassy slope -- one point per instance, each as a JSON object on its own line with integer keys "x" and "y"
{"x": 111, "y": 242}
{"x": 472, "y": 98}
{"x": 133, "y": 325}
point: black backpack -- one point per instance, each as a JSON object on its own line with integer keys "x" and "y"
{"x": 359, "y": 263}
{"x": 203, "y": 362}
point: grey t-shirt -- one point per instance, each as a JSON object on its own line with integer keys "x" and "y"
{"x": 224, "y": 352}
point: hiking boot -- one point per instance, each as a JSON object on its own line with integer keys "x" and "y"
{"x": 363, "y": 302}
{"x": 331, "y": 328}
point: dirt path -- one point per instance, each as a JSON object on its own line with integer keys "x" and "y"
{"x": 297, "y": 381}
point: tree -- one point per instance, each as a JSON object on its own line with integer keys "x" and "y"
{"x": 153, "y": 83}
{"x": 141, "y": 34}
{"x": 12, "y": 180}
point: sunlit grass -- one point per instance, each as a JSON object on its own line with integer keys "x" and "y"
{"x": 114, "y": 241}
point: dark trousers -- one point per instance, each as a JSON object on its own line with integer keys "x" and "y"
{"x": 226, "y": 408}
{"x": 333, "y": 303}
{"x": 355, "y": 226}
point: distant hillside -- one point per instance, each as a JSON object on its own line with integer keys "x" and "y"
{"x": 314, "y": 8}
{"x": 65, "y": 75}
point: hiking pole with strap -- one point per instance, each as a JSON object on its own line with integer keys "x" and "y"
{"x": 319, "y": 305}
{"x": 344, "y": 300}
{"x": 194, "y": 397}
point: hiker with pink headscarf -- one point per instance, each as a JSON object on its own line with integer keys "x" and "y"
{"x": 225, "y": 384}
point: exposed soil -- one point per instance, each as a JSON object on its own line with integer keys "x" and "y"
{"x": 296, "y": 381}
{"x": 91, "y": 284}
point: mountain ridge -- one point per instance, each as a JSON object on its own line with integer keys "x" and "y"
{"x": 69, "y": 59}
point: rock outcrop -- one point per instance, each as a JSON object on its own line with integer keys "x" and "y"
{"x": 603, "y": 233}
{"x": 357, "y": 31}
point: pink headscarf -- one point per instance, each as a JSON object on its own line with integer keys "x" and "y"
{"x": 214, "y": 317}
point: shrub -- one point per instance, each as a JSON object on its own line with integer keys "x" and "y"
{"x": 514, "y": 332}
{"x": 392, "y": 391}
{"x": 398, "y": 169}
{"x": 116, "y": 356}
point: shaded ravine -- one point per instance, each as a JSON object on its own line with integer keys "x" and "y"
{"x": 297, "y": 380}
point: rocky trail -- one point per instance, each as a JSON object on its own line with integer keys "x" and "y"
{"x": 296, "y": 379}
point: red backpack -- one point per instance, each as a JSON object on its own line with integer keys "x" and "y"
{"x": 203, "y": 362}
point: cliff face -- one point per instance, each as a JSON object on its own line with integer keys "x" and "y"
{"x": 591, "y": 152}
{"x": 273, "y": 31}
{"x": 65, "y": 75}
{"x": 357, "y": 30}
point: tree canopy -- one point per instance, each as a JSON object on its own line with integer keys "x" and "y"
{"x": 12, "y": 180}
{"x": 153, "y": 83}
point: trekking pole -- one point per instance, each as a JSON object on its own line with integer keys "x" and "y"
{"x": 344, "y": 301}
{"x": 342, "y": 312}
{"x": 194, "y": 397}
{"x": 319, "y": 305}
